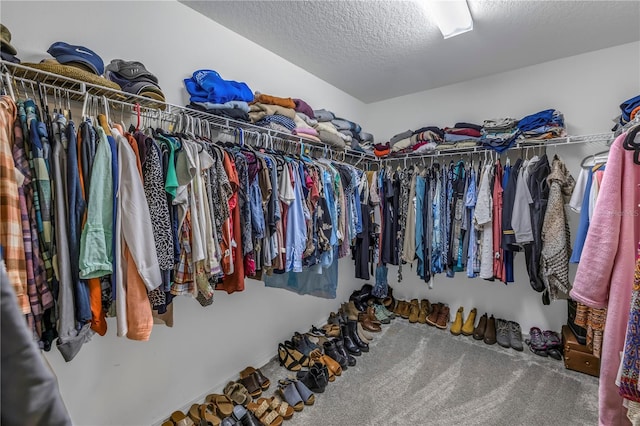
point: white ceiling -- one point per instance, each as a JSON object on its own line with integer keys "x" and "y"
{"x": 376, "y": 50}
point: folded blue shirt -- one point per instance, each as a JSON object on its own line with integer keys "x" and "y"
{"x": 535, "y": 120}
{"x": 209, "y": 84}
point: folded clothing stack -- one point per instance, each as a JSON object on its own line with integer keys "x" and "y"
{"x": 7, "y": 51}
{"x": 133, "y": 77}
{"x": 630, "y": 110}
{"x": 500, "y": 133}
{"x": 329, "y": 135}
{"x": 461, "y": 135}
{"x": 381, "y": 149}
{"x": 426, "y": 139}
{"x": 210, "y": 92}
{"x": 543, "y": 125}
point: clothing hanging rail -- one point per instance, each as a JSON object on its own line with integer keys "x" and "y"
{"x": 563, "y": 141}
{"x": 16, "y": 75}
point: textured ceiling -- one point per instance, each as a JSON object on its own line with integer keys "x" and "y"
{"x": 375, "y": 50}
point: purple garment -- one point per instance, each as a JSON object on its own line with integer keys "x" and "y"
{"x": 303, "y": 107}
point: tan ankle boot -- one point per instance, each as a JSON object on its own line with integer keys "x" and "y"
{"x": 456, "y": 327}
{"x": 414, "y": 311}
{"x": 467, "y": 328}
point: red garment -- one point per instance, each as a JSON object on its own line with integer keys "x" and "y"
{"x": 234, "y": 281}
{"x": 499, "y": 270}
{"x": 462, "y": 131}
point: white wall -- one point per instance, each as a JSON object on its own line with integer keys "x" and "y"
{"x": 587, "y": 88}
{"x": 119, "y": 382}
{"x": 115, "y": 381}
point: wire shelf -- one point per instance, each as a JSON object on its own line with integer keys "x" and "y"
{"x": 27, "y": 80}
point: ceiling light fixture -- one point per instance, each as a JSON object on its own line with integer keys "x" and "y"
{"x": 452, "y": 16}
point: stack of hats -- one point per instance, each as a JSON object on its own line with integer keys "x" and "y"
{"x": 630, "y": 110}
{"x": 209, "y": 92}
{"x": 543, "y": 125}
{"x": 462, "y": 135}
{"x": 133, "y": 77}
{"x": 499, "y": 134}
{"x": 77, "y": 62}
{"x": 8, "y": 52}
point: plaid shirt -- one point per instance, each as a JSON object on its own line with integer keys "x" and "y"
{"x": 11, "y": 237}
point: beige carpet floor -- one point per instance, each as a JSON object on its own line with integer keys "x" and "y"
{"x": 418, "y": 375}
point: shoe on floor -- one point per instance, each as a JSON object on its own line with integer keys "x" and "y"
{"x": 414, "y": 311}
{"x": 467, "y": 328}
{"x": 433, "y": 316}
{"x": 478, "y": 333}
{"x": 443, "y": 318}
{"x": 456, "y": 327}
{"x": 502, "y": 333}
{"x": 490, "y": 331}
{"x": 515, "y": 336}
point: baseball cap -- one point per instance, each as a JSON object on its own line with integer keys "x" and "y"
{"x": 131, "y": 70}
{"x": 142, "y": 87}
{"x": 5, "y": 39}
{"x": 68, "y": 54}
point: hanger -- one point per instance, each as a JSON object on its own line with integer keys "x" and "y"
{"x": 632, "y": 142}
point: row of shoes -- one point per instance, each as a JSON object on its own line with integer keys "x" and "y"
{"x": 489, "y": 329}
{"x": 545, "y": 343}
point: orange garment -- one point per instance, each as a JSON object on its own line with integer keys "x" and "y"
{"x": 274, "y": 100}
{"x": 234, "y": 281}
{"x": 381, "y": 152}
{"x": 635, "y": 112}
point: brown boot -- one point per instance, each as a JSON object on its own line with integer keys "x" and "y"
{"x": 367, "y": 324}
{"x": 456, "y": 327}
{"x": 351, "y": 311}
{"x": 433, "y": 316}
{"x": 443, "y": 318}
{"x": 403, "y": 309}
{"x": 490, "y": 331}
{"x": 478, "y": 333}
{"x": 371, "y": 314}
{"x": 425, "y": 308}
{"x": 467, "y": 328}
{"x": 414, "y": 310}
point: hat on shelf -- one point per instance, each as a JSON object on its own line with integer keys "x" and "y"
{"x": 5, "y": 39}
{"x": 6, "y": 56}
{"x": 131, "y": 70}
{"x": 133, "y": 77}
{"x": 79, "y": 56}
{"x": 54, "y": 67}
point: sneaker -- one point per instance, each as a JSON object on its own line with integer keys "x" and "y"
{"x": 515, "y": 336}
{"x": 502, "y": 333}
{"x": 536, "y": 342}
{"x": 380, "y": 315}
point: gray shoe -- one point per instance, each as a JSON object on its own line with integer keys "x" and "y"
{"x": 502, "y": 333}
{"x": 515, "y": 336}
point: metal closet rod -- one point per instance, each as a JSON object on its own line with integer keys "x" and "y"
{"x": 521, "y": 145}
{"x": 77, "y": 89}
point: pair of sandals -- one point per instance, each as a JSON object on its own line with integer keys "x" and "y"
{"x": 237, "y": 393}
{"x": 291, "y": 358}
{"x": 296, "y": 394}
{"x": 254, "y": 381}
{"x": 271, "y": 412}
{"x": 545, "y": 343}
{"x": 333, "y": 367}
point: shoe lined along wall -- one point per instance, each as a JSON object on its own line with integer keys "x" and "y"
{"x": 242, "y": 329}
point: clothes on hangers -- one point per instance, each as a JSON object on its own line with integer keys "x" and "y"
{"x": 605, "y": 275}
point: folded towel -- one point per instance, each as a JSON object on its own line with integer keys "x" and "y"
{"x": 366, "y": 137}
{"x": 309, "y": 137}
{"x": 327, "y": 127}
{"x": 323, "y": 115}
{"x": 274, "y": 100}
{"x": 400, "y": 136}
{"x": 300, "y": 123}
{"x": 258, "y": 110}
{"x": 341, "y": 124}
{"x": 303, "y": 107}
{"x": 310, "y": 121}
{"x": 331, "y": 139}
{"x": 305, "y": 131}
